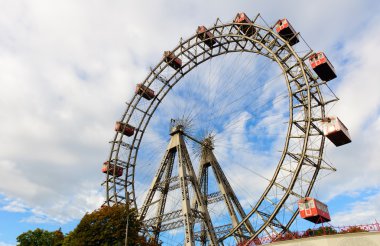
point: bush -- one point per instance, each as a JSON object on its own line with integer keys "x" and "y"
{"x": 353, "y": 229}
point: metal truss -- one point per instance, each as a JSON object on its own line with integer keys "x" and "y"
{"x": 219, "y": 232}
{"x": 161, "y": 183}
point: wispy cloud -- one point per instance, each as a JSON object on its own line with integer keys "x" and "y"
{"x": 14, "y": 206}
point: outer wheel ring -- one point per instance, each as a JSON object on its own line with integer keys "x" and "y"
{"x": 306, "y": 109}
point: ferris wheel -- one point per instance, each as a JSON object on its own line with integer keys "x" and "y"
{"x": 190, "y": 188}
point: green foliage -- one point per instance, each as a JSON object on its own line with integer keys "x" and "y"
{"x": 324, "y": 230}
{"x": 107, "y": 226}
{"x": 40, "y": 237}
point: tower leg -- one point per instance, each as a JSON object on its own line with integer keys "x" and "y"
{"x": 169, "y": 156}
{"x": 184, "y": 157}
{"x": 232, "y": 203}
{"x": 163, "y": 197}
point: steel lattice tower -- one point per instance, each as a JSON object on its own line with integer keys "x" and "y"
{"x": 162, "y": 183}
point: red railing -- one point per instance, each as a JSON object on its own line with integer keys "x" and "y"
{"x": 324, "y": 230}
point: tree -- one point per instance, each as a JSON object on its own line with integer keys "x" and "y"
{"x": 107, "y": 226}
{"x": 58, "y": 237}
{"x": 40, "y": 237}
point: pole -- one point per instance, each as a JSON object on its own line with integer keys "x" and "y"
{"x": 126, "y": 230}
{"x": 127, "y": 206}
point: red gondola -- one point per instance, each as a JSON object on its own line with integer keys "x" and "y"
{"x": 322, "y": 66}
{"x": 125, "y": 129}
{"x": 335, "y": 131}
{"x": 110, "y": 168}
{"x": 242, "y": 18}
{"x": 144, "y": 91}
{"x": 286, "y": 31}
{"x": 205, "y": 36}
{"x": 172, "y": 60}
{"x": 313, "y": 210}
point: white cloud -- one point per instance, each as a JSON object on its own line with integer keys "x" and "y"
{"x": 14, "y": 206}
{"x": 57, "y": 105}
{"x": 361, "y": 212}
{"x": 60, "y": 209}
{"x": 6, "y": 244}
{"x": 357, "y": 163}
{"x": 22, "y": 186}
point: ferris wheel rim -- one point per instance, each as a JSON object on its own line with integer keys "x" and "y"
{"x": 179, "y": 73}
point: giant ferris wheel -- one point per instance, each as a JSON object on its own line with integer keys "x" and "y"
{"x": 224, "y": 93}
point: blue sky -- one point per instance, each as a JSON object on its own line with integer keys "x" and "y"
{"x": 67, "y": 67}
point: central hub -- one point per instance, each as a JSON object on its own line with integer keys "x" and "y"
{"x": 177, "y": 129}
